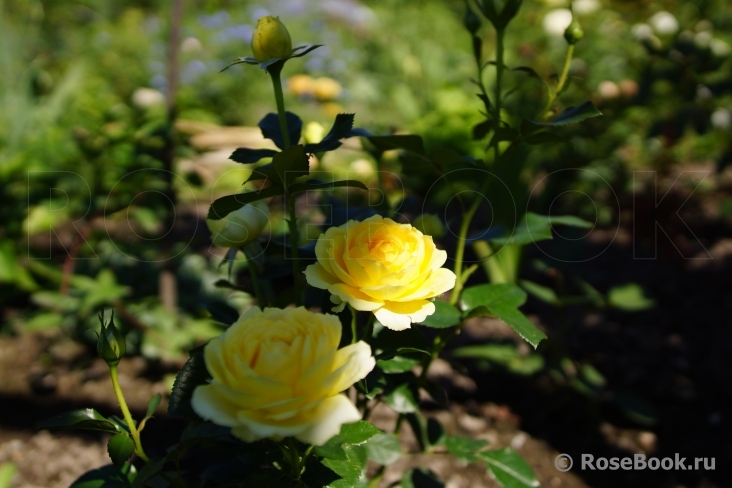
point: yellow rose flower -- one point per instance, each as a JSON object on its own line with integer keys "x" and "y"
{"x": 383, "y": 267}
{"x": 279, "y": 373}
{"x": 271, "y": 39}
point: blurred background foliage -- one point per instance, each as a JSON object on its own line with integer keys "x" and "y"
{"x": 87, "y": 125}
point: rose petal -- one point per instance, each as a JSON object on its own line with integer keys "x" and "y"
{"x": 355, "y": 298}
{"x": 327, "y": 419}
{"x": 400, "y": 315}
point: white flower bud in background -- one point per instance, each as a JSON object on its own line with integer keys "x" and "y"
{"x": 642, "y": 31}
{"x": 721, "y": 119}
{"x": 586, "y": 7}
{"x": 702, "y": 39}
{"x": 719, "y": 47}
{"x": 240, "y": 226}
{"x": 608, "y": 90}
{"x": 664, "y": 23}
{"x": 147, "y": 97}
{"x": 556, "y": 21}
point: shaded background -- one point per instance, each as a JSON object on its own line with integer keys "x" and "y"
{"x": 104, "y": 130}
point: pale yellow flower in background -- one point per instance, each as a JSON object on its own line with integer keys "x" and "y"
{"x": 383, "y": 267}
{"x": 279, "y": 373}
{"x": 240, "y": 226}
{"x": 271, "y": 39}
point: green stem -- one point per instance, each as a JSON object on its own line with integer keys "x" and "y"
{"x": 274, "y": 72}
{"x": 560, "y": 84}
{"x": 499, "y": 77}
{"x": 255, "y": 282}
{"x": 460, "y": 251}
{"x": 126, "y": 413}
{"x": 354, "y": 336}
{"x": 368, "y": 330}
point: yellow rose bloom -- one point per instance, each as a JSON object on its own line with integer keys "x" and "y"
{"x": 383, "y": 267}
{"x": 279, "y": 373}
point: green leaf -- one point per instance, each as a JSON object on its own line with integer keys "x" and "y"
{"x": 569, "y": 221}
{"x": 270, "y": 126}
{"x": 572, "y": 115}
{"x": 86, "y": 418}
{"x": 352, "y": 469}
{"x": 193, "y": 374}
{"x": 105, "y": 477}
{"x": 350, "y": 435}
{"x": 341, "y": 129}
{"x": 503, "y": 300}
{"x": 246, "y": 155}
{"x": 503, "y": 134}
{"x": 152, "y": 405}
{"x": 463, "y": 448}
{"x": 291, "y": 163}
{"x": 306, "y": 49}
{"x": 317, "y": 475}
{"x": 543, "y": 293}
{"x": 500, "y": 353}
{"x": 120, "y": 448}
{"x": 408, "y": 142}
{"x": 483, "y": 129}
{"x": 535, "y": 227}
{"x": 397, "y": 364}
{"x": 153, "y": 467}
{"x": 629, "y": 297}
{"x": 318, "y": 185}
{"x": 480, "y": 311}
{"x": 445, "y": 315}
{"x": 384, "y": 449}
{"x": 225, "y": 205}
{"x": 404, "y": 398}
{"x": 509, "y": 469}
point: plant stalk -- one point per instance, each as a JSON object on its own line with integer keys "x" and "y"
{"x": 560, "y": 84}
{"x": 274, "y": 73}
{"x": 126, "y": 413}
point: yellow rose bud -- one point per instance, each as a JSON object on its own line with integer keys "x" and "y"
{"x": 111, "y": 345}
{"x": 279, "y": 373}
{"x": 271, "y": 39}
{"x": 240, "y": 226}
{"x": 383, "y": 267}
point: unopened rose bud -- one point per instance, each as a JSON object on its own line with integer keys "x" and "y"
{"x": 111, "y": 344}
{"x": 574, "y": 32}
{"x": 240, "y": 226}
{"x": 271, "y": 39}
{"x": 429, "y": 225}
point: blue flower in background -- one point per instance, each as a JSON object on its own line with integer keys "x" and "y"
{"x": 215, "y": 21}
{"x": 241, "y": 32}
{"x": 192, "y": 71}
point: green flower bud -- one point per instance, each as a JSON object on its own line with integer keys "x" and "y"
{"x": 429, "y": 225}
{"x": 111, "y": 344}
{"x": 574, "y": 32}
{"x": 240, "y": 226}
{"x": 471, "y": 21}
{"x": 271, "y": 39}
